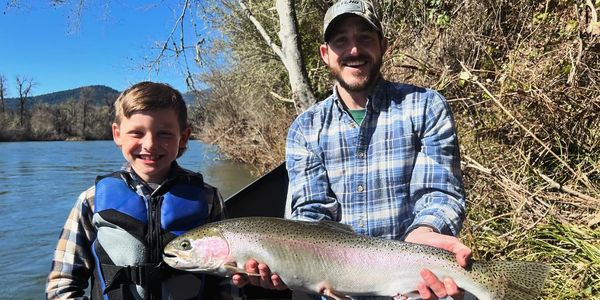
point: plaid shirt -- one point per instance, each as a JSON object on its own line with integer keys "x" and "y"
{"x": 398, "y": 170}
{"x": 73, "y": 261}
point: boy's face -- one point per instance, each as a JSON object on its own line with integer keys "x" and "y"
{"x": 150, "y": 141}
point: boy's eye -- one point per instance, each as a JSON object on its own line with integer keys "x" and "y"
{"x": 136, "y": 133}
{"x": 165, "y": 134}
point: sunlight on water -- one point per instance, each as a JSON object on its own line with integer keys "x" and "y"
{"x": 39, "y": 182}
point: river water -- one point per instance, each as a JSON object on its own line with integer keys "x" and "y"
{"x": 39, "y": 182}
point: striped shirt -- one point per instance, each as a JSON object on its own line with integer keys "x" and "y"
{"x": 398, "y": 170}
{"x": 73, "y": 261}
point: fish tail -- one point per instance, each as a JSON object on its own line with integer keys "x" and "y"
{"x": 518, "y": 280}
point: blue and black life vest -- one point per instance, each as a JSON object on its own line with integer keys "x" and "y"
{"x": 132, "y": 233}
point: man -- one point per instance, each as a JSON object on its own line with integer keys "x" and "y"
{"x": 382, "y": 157}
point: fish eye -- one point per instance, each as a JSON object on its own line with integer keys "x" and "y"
{"x": 185, "y": 245}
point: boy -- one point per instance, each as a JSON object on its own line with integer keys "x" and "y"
{"x": 116, "y": 232}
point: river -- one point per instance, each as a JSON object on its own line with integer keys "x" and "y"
{"x": 39, "y": 182}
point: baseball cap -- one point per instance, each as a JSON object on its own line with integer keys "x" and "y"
{"x": 361, "y": 8}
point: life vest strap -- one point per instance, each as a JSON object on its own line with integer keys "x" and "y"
{"x": 143, "y": 275}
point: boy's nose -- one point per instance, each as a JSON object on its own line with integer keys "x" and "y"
{"x": 149, "y": 142}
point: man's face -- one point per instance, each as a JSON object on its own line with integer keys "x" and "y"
{"x": 354, "y": 53}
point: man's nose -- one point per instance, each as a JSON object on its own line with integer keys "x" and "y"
{"x": 353, "y": 48}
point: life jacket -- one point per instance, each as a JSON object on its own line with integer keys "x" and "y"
{"x": 132, "y": 233}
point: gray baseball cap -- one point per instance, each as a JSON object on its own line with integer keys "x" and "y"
{"x": 361, "y": 8}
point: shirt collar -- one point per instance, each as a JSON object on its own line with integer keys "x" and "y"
{"x": 376, "y": 100}
{"x": 144, "y": 188}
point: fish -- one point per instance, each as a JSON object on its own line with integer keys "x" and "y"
{"x": 326, "y": 257}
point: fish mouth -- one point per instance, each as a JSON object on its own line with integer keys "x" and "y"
{"x": 170, "y": 259}
{"x": 180, "y": 263}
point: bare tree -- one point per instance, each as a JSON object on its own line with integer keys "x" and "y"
{"x": 2, "y": 90}
{"x": 24, "y": 87}
{"x": 289, "y": 52}
{"x": 85, "y": 99}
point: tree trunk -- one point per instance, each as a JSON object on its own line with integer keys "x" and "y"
{"x": 292, "y": 58}
{"x": 289, "y": 53}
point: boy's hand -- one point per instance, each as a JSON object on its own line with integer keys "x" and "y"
{"x": 266, "y": 279}
{"x": 431, "y": 287}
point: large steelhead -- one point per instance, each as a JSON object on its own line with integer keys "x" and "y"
{"x": 318, "y": 256}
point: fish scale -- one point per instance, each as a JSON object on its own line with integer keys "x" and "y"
{"x": 313, "y": 256}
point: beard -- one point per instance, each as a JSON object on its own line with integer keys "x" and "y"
{"x": 362, "y": 82}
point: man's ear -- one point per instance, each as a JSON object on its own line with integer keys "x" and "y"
{"x": 323, "y": 50}
{"x": 384, "y": 45}
{"x": 116, "y": 134}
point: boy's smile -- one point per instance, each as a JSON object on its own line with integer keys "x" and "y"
{"x": 150, "y": 142}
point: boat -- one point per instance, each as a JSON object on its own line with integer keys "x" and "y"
{"x": 264, "y": 197}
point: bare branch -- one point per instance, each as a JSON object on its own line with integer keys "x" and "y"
{"x": 262, "y": 30}
{"x": 165, "y": 45}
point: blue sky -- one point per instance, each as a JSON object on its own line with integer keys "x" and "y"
{"x": 108, "y": 46}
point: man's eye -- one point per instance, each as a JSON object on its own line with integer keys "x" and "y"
{"x": 339, "y": 42}
{"x": 366, "y": 39}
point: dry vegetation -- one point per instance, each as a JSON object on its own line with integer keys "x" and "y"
{"x": 522, "y": 78}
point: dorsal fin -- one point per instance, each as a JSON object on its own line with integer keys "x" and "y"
{"x": 336, "y": 226}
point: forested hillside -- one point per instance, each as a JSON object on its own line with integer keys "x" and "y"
{"x": 522, "y": 79}
{"x": 84, "y": 113}
{"x": 98, "y": 95}
{"x": 81, "y": 113}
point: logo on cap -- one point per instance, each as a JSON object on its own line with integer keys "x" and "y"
{"x": 361, "y": 8}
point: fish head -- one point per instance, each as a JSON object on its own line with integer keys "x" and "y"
{"x": 202, "y": 250}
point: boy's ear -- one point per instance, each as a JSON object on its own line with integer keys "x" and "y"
{"x": 116, "y": 134}
{"x": 185, "y": 136}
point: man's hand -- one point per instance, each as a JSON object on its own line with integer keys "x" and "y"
{"x": 431, "y": 287}
{"x": 265, "y": 280}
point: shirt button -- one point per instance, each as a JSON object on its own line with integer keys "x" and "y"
{"x": 361, "y": 223}
{"x": 360, "y": 188}
{"x": 361, "y": 154}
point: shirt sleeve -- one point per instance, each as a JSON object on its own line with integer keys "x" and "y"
{"x": 436, "y": 183}
{"x": 310, "y": 196}
{"x": 73, "y": 261}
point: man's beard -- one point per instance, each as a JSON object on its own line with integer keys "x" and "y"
{"x": 361, "y": 85}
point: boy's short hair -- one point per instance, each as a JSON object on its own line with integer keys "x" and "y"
{"x": 150, "y": 96}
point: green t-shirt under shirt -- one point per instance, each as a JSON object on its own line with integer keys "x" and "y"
{"x": 358, "y": 115}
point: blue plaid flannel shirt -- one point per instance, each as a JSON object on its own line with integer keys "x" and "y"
{"x": 398, "y": 170}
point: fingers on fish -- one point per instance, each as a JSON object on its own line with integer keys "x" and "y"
{"x": 326, "y": 290}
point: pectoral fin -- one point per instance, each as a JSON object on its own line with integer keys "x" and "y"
{"x": 335, "y": 294}
{"x": 408, "y": 296}
{"x": 233, "y": 269}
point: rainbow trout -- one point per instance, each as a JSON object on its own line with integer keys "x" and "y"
{"x": 328, "y": 257}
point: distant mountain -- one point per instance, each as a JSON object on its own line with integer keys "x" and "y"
{"x": 99, "y": 94}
